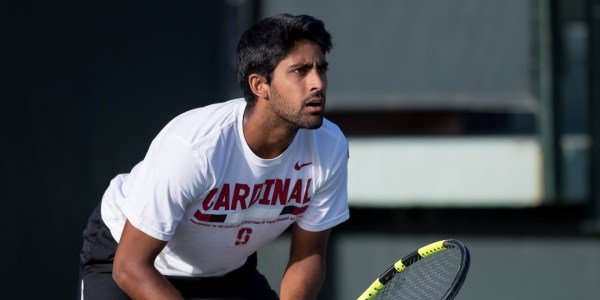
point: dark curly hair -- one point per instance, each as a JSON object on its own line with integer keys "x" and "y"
{"x": 270, "y": 41}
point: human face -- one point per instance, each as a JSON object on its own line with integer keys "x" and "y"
{"x": 298, "y": 87}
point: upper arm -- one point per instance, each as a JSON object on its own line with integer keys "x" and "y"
{"x": 307, "y": 243}
{"x": 133, "y": 268}
{"x": 136, "y": 247}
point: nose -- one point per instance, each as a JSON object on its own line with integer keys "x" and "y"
{"x": 317, "y": 81}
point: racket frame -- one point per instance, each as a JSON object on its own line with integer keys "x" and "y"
{"x": 417, "y": 255}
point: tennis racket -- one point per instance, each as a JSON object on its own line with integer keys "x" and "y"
{"x": 436, "y": 271}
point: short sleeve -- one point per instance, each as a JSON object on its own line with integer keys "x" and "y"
{"x": 161, "y": 186}
{"x": 329, "y": 206}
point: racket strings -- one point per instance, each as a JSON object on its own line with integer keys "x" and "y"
{"x": 428, "y": 278}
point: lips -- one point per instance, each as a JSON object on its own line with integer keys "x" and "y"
{"x": 315, "y": 105}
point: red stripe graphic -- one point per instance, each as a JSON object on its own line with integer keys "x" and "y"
{"x": 299, "y": 210}
{"x": 202, "y": 217}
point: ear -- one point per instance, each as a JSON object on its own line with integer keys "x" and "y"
{"x": 259, "y": 86}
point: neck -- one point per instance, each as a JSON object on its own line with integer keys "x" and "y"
{"x": 263, "y": 136}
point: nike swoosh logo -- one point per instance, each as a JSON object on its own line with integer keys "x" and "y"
{"x": 299, "y": 166}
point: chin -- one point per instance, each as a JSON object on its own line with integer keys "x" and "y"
{"x": 315, "y": 124}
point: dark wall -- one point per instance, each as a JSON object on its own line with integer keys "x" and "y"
{"x": 88, "y": 85}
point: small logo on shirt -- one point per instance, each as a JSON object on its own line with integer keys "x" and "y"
{"x": 299, "y": 166}
{"x": 243, "y": 236}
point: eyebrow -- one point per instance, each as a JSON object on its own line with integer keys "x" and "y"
{"x": 322, "y": 64}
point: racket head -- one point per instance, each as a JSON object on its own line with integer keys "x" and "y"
{"x": 435, "y": 271}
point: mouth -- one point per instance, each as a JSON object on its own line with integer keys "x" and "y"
{"x": 316, "y": 104}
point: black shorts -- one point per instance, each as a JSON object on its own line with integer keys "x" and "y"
{"x": 96, "y": 282}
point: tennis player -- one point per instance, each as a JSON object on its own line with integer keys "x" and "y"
{"x": 221, "y": 181}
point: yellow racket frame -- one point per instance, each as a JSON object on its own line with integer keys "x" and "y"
{"x": 400, "y": 266}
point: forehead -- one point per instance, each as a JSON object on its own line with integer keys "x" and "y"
{"x": 304, "y": 51}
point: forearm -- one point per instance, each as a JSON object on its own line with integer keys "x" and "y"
{"x": 144, "y": 282}
{"x": 303, "y": 279}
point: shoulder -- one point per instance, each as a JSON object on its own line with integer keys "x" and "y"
{"x": 331, "y": 129}
{"x": 329, "y": 135}
{"x": 200, "y": 123}
{"x": 327, "y": 144}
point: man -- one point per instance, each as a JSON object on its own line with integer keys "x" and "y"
{"x": 219, "y": 182}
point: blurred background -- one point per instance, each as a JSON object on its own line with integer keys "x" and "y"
{"x": 466, "y": 119}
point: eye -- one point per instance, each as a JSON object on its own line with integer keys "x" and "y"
{"x": 300, "y": 70}
{"x": 323, "y": 67}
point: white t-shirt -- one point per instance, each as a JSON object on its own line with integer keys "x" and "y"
{"x": 203, "y": 190}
